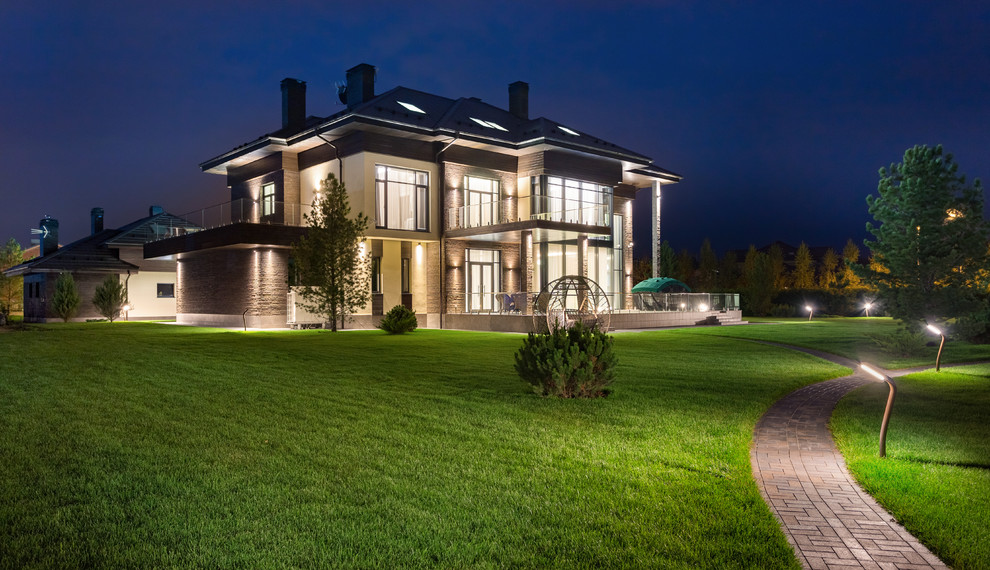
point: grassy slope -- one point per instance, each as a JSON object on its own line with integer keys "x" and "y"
{"x": 849, "y": 337}
{"x": 154, "y": 445}
{"x": 936, "y": 477}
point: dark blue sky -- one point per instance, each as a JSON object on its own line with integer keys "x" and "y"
{"x": 778, "y": 115}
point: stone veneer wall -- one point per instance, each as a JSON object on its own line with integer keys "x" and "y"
{"x": 218, "y": 285}
{"x": 455, "y": 274}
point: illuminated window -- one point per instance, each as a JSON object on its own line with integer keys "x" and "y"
{"x": 166, "y": 290}
{"x": 268, "y": 199}
{"x": 480, "y": 201}
{"x": 411, "y": 107}
{"x": 484, "y": 270}
{"x": 569, "y": 131}
{"x": 402, "y": 199}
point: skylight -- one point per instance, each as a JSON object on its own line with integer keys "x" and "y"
{"x": 569, "y": 131}
{"x": 411, "y": 107}
{"x": 490, "y": 124}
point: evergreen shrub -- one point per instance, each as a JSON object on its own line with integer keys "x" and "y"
{"x": 398, "y": 320}
{"x": 575, "y": 362}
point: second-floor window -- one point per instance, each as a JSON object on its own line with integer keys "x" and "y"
{"x": 480, "y": 201}
{"x": 574, "y": 201}
{"x": 402, "y": 198}
{"x": 268, "y": 199}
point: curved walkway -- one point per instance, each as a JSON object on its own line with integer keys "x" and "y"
{"x": 828, "y": 519}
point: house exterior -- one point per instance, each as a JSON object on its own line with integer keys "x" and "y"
{"x": 474, "y": 208}
{"x": 149, "y": 283}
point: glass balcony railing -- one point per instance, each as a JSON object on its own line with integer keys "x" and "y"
{"x": 243, "y": 210}
{"x": 528, "y": 208}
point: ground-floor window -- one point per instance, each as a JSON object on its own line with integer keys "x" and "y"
{"x": 166, "y": 290}
{"x": 484, "y": 270}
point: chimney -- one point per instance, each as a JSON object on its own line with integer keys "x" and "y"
{"x": 155, "y": 210}
{"x": 519, "y": 99}
{"x": 360, "y": 84}
{"x": 293, "y": 103}
{"x": 95, "y": 221}
{"x": 49, "y": 235}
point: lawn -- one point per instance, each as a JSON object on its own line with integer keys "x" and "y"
{"x": 936, "y": 477}
{"x": 146, "y": 445}
{"x": 850, "y": 337}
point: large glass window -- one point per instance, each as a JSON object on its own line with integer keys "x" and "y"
{"x": 268, "y": 199}
{"x": 484, "y": 271}
{"x": 401, "y": 198}
{"x": 576, "y": 202}
{"x": 480, "y": 201}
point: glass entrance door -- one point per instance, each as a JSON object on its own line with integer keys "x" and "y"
{"x": 483, "y": 270}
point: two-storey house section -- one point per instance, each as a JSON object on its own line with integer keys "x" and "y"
{"x": 473, "y": 208}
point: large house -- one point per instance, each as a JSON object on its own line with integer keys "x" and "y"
{"x": 149, "y": 283}
{"x": 474, "y": 208}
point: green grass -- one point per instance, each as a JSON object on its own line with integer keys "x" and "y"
{"x": 849, "y": 337}
{"x": 145, "y": 445}
{"x": 936, "y": 477}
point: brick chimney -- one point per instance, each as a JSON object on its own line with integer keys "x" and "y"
{"x": 95, "y": 221}
{"x": 49, "y": 235}
{"x": 519, "y": 99}
{"x": 360, "y": 84}
{"x": 293, "y": 103}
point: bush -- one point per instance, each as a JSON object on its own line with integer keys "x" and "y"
{"x": 900, "y": 343}
{"x": 569, "y": 363}
{"x": 110, "y": 297}
{"x": 398, "y": 320}
{"x": 65, "y": 301}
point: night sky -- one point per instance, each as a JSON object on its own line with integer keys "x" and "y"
{"x": 778, "y": 115}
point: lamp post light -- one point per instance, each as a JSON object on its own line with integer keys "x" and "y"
{"x": 127, "y": 312}
{"x": 868, "y": 306}
{"x": 886, "y": 411}
{"x": 811, "y": 311}
{"x": 938, "y": 359}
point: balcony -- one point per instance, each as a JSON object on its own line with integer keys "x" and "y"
{"x": 528, "y": 209}
{"x": 240, "y": 211}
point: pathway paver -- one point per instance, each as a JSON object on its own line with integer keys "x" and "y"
{"x": 828, "y": 519}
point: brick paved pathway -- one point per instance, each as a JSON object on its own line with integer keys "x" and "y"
{"x": 828, "y": 519}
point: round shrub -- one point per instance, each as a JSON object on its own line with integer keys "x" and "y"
{"x": 398, "y": 320}
{"x": 576, "y": 362}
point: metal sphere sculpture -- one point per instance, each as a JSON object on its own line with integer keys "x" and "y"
{"x": 570, "y": 299}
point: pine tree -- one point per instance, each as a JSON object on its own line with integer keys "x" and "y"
{"x": 708, "y": 267}
{"x": 850, "y": 260}
{"x": 110, "y": 297}
{"x": 65, "y": 301}
{"x": 11, "y": 288}
{"x": 830, "y": 262}
{"x": 330, "y": 258}
{"x": 930, "y": 237}
{"x": 804, "y": 270}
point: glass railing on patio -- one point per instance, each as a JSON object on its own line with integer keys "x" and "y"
{"x": 244, "y": 210}
{"x": 529, "y": 208}
{"x": 686, "y": 302}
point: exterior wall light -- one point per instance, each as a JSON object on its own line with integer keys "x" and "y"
{"x": 890, "y": 404}
{"x": 938, "y": 359}
{"x": 811, "y": 311}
